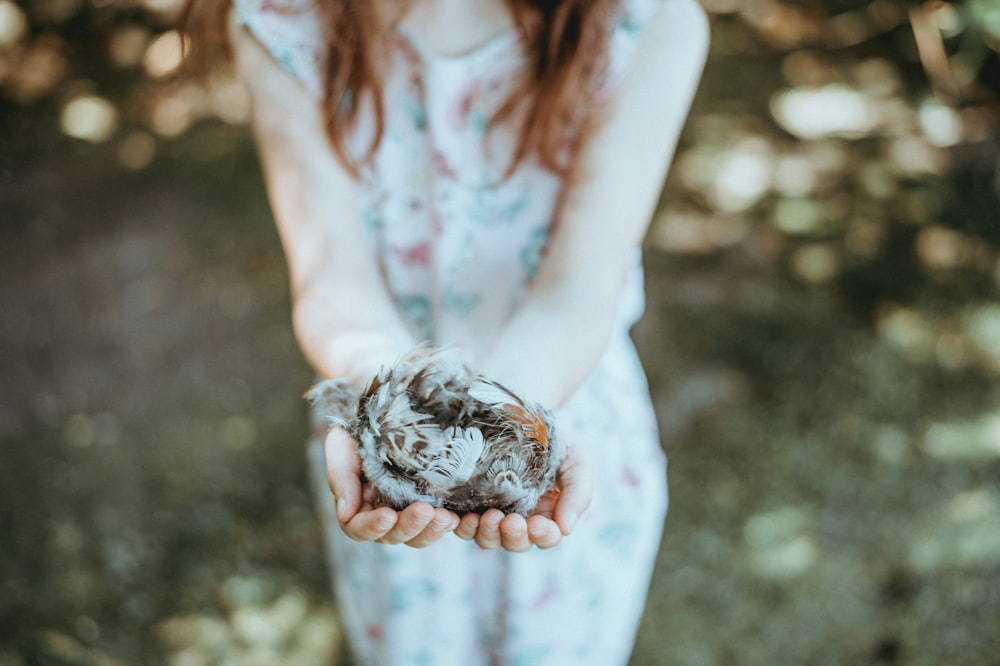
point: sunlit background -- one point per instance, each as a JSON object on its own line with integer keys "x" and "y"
{"x": 822, "y": 340}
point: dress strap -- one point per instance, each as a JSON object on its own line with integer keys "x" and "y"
{"x": 293, "y": 32}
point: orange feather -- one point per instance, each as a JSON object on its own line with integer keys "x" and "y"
{"x": 531, "y": 422}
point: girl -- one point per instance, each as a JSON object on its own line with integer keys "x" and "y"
{"x": 480, "y": 173}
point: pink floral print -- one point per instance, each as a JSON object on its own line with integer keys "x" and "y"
{"x": 457, "y": 244}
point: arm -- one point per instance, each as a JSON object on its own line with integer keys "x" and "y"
{"x": 556, "y": 337}
{"x": 344, "y": 320}
{"x": 618, "y": 176}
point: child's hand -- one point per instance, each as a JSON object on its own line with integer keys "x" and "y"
{"x": 417, "y": 525}
{"x": 420, "y": 525}
{"x": 553, "y": 518}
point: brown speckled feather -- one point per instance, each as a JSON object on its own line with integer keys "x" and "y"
{"x": 428, "y": 428}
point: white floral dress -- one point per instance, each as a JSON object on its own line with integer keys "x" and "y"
{"x": 457, "y": 244}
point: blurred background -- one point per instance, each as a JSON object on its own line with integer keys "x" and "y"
{"x": 822, "y": 340}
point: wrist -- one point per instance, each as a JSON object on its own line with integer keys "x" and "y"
{"x": 357, "y": 357}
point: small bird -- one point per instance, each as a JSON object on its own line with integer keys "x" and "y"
{"x": 430, "y": 429}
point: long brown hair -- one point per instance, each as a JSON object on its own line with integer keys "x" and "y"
{"x": 566, "y": 42}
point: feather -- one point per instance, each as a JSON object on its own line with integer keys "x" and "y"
{"x": 335, "y": 400}
{"x": 457, "y": 462}
{"x": 507, "y": 472}
{"x": 492, "y": 393}
{"x": 430, "y": 429}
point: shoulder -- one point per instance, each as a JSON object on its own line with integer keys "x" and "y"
{"x": 661, "y": 38}
{"x": 634, "y": 14}
{"x": 651, "y": 20}
{"x": 678, "y": 22}
{"x": 276, "y": 91}
{"x": 292, "y": 33}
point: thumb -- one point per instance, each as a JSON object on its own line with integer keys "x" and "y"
{"x": 343, "y": 472}
{"x": 576, "y": 481}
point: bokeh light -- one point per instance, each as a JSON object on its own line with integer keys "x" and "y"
{"x": 914, "y": 156}
{"x": 229, "y": 100}
{"x": 815, "y": 262}
{"x": 832, "y": 110}
{"x": 137, "y": 150}
{"x": 942, "y": 125}
{"x": 780, "y": 546}
{"x": 986, "y": 14}
{"x": 89, "y": 117}
{"x": 164, "y": 55}
{"x": 176, "y": 109}
{"x": 35, "y": 71}
{"x": 742, "y": 175}
{"x": 982, "y": 326}
{"x": 794, "y": 175}
{"x": 976, "y": 439}
{"x": 127, "y": 45}
{"x": 822, "y": 338}
{"x": 908, "y": 330}
{"x": 964, "y": 533}
{"x": 13, "y": 24}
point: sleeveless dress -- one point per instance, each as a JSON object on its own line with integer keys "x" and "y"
{"x": 456, "y": 245}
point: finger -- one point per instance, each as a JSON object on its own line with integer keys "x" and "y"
{"x": 468, "y": 526}
{"x": 544, "y": 532}
{"x": 370, "y": 525}
{"x": 546, "y": 504}
{"x": 576, "y": 480}
{"x": 412, "y": 521}
{"x": 443, "y": 522}
{"x": 514, "y": 533}
{"x": 343, "y": 471}
{"x": 488, "y": 534}
{"x": 368, "y": 497}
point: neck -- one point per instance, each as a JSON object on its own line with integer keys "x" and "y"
{"x": 454, "y": 27}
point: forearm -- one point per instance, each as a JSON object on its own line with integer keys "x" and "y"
{"x": 558, "y": 334}
{"x": 343, "y": 316}
{"x": 340, "y": 343}
{"x": 554, "y": 340}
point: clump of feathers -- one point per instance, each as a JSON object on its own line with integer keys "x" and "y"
{"x": 430, "y": 429}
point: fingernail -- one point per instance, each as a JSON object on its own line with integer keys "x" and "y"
{"x": 570, "y": 522}
{"x": 341, "y": 507}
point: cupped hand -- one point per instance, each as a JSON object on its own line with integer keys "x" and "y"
{"x": 553, "y": 517}
{"x": 418, "y": 525}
